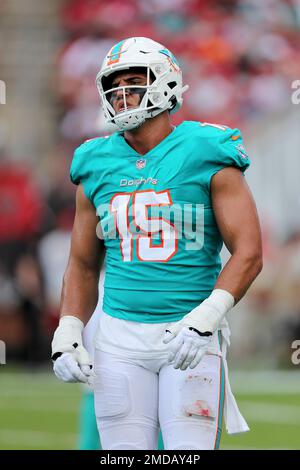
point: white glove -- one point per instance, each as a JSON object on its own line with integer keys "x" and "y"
{"x": 72, "y": 362}
{"x": 190, "y": 337}
{"x": 187, "y": 348}
{"x": 66, "y": 368}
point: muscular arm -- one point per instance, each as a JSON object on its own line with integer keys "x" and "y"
{"x": 80, "y": 284}
{"x": 238, "y": 223}
{"x": 237, "y": 219}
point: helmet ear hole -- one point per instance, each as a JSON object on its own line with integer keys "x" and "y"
{"x": 172, "y": 85}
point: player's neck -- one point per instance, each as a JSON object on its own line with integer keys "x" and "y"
{"x": 150, "y": 134}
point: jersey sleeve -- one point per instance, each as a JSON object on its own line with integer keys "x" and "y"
{"x": 82, "y": 166}
{"x": 228, "y": 150}
{"x": 75, "y": 174}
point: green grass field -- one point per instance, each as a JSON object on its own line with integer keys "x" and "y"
{"x": 39, "y": 412}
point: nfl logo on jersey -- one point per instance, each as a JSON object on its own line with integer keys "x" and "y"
{"x": 140, "y": 164}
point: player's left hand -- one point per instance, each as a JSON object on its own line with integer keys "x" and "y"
{"x": 190, "y": 337}
{"x": 187, "y": 347}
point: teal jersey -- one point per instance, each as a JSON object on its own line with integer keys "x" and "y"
{"x": 162, "y": 241}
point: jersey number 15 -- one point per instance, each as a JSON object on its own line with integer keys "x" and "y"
{"x": 146, "y": 250}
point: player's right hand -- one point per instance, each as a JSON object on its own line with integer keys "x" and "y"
{"x": 72, "y": 362}
{"x": 66, "y": 368}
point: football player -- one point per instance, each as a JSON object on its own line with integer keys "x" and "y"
{"x": 167, "y": 198}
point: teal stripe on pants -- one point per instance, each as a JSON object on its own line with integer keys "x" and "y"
{"x": 222, "y": 398}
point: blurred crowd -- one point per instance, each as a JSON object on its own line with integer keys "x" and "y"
{"x": 238, "y": 57}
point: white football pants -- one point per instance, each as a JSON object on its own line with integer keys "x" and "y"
{"x": 137, "y": 391}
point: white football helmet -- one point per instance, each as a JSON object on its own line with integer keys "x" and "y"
{"x": 164, "y": 81}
